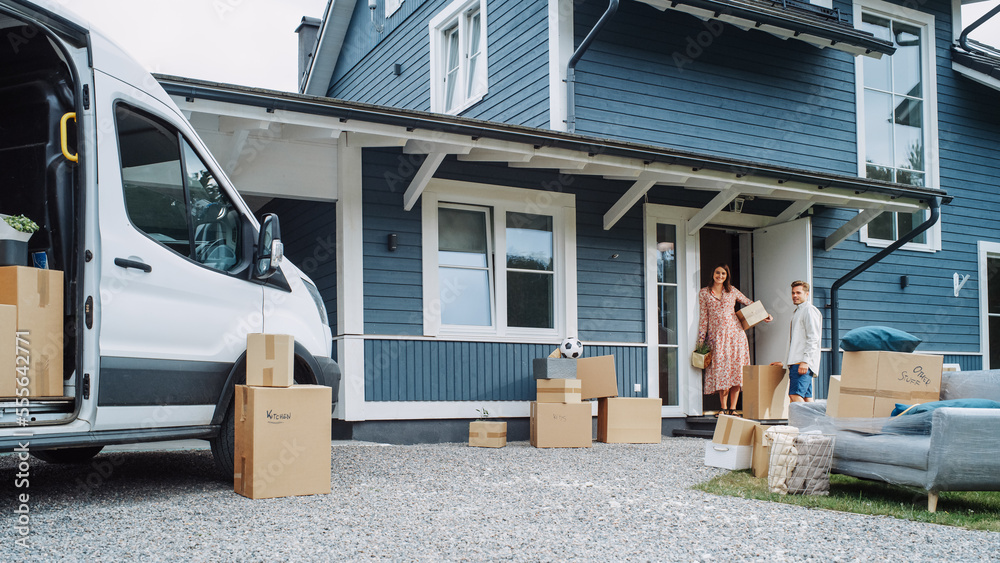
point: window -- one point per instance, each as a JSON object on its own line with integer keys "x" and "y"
{"x": 666, "y": 312}
{"x": 897, "y": 120}
{"x": 172, "y": 196}
{"x": 989, "y": 303}
{"x": 458, "y": 56}
{"x": 502, "y": 263}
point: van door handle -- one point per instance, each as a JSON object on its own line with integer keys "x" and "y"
{"x": 126, "y": 263}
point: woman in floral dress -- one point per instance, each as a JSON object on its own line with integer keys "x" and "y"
{"x": 718, "y": 323}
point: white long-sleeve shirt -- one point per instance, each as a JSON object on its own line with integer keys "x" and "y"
{"x": 806, "y": 334}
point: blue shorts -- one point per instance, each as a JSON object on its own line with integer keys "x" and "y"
{"x": 801, "y": 385}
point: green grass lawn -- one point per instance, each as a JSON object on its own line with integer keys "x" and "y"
{"x": 973, "y": 510}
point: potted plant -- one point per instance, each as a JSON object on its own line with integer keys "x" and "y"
{"x": 14, "y": 234}
{"x": 485, "y": 433}
{"x": 701, "y": 358}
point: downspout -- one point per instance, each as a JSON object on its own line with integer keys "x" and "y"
{"x": 935, "y": 207}
{"x": 963, "y": 39}
{"x": 571, "y": 67}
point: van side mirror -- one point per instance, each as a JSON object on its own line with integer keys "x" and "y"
{"x": 269, "y": 248}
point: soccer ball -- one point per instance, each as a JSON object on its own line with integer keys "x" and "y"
{"x": 571, "y": 348}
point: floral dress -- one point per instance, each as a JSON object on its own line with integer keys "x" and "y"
{"x": 730, "y": 348}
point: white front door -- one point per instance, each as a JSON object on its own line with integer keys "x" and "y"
{"x": 781, "y": 254}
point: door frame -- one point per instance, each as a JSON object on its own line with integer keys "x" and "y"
{"x": 985, "y": 250}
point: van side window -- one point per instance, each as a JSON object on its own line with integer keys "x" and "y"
{"x": 172, "y": 196}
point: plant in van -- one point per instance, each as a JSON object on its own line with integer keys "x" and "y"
{"x": 21, "y": 223}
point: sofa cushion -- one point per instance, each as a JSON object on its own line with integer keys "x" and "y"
{"x": 886, "y": 450}
{"x": 978, "y": 384}
{"x": 957, "y": 403}
{"x": 879, "y": 338}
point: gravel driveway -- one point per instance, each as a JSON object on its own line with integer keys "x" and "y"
{"x": 446, "y": 502}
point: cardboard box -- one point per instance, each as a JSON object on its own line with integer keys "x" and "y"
{"x": 487, "y": 434}
{"x": 560, "y": 425}
{"x": 282, "y": 441}
{"x": 765, "y": 393}
{"x": 269, "y": 360}
{"x": 629, "y": 420}
{"x": 884, "y": 379}
{"x": 553, "y": 368}
{"x": 761, "y": 458}
{"x": 8, "y": 351}
{"x": 598, "y": 376}
{"x": 833, "y": 396}
{"x": 733, "y": 431}
{"x": 727, "y": 456}
{"x": 751, "y": 315}
{"x": 558, "y": 390}
{"x": 38, "y": 296}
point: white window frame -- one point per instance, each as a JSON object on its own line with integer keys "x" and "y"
{"x": 932, "y": 178}
{"x": 560, "y": 206}
{"x": 986, "y": 250}
{"x": 457, "y": 13}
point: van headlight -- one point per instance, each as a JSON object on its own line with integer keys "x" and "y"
{"x": 318, "y": 300}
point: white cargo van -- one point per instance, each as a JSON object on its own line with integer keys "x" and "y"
{"x": 165, "y": 269}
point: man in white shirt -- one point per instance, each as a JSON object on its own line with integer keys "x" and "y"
{"x": 803, "y": 346}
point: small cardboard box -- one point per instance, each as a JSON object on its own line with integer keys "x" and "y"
{"x": 833, "y": 396}
{"x": 560, "y": 425}
{"x": 883, "y": 379}
{"x": 765, "y": 393}
{"x": 487, "y": 434}
{"x": 598, "y": 376}
{"x": 751, "y": 315}
{"x": 728, "y": 456}
{"x": 761, "y": 452}
{"x": 8, "y": 350}
{"x": 38, "y": 296}
{"x": 629, "y": 420}
{"x": 282, "y": 441}
{"x": 269, "y": 360}
{"x": 558, "y": 390}
{"x": 553, "y": 368}
{"x": 733, "y": 431}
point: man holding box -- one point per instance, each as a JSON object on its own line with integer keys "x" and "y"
{"x": 803, "y": 344}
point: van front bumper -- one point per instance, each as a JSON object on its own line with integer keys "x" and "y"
{"x": 329, "y": 375}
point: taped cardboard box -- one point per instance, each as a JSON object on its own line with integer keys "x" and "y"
{"x": 734, "y": 431}
{"x": 883, "y": 379}
{"x": 598, "y": 376}
{"x": 765, "y": 393}
{"x": 270, "y": 360}
{"x": 752, "y": 315}
{"x": 761, "y": 458}
{"x": 282, "y": 441}
{"x": 561, "y": 425}
{"x": 558, "y": 390}
{"x": 487, "y": 434}
{"x": 728, "y": 456}
{"x": 38, "y": 296}
{"x": 629, "y": 420}
{"x": 833, "y": 397}
{"x": 8, "y": 351}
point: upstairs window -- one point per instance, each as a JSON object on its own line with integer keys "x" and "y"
{"x": 897, "y": 120}
{"x": 458, "y": 56}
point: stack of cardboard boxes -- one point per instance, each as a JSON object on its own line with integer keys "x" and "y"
{"x": 765, "y": 400}
{"x": 31, "y": 307}
{"x": 732, "y": 444}
{"x": 873, "y": 382}
{"x": 282, "y": 430}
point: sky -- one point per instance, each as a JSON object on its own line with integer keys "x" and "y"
{"x": 253, "y": 42}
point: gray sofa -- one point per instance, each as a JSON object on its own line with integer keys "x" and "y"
{"x": 949, "y": 449}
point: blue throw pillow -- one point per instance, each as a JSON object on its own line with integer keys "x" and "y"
{"x": 879, "y": 338}
{"x": 917, "y": 420}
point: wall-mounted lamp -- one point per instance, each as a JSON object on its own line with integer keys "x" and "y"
{"x": 903, "y": 282}
{"x": 372, "y": 4}
{"x": 397, "y": 69}
{"x": 738, "y": 205}
{"x": 392, "y": 244}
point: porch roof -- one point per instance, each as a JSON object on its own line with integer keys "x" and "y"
{"x": 786, "y": 19}
{"x": 240, "y": 113}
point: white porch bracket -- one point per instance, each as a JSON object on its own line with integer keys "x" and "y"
{"x": 793, "y": 211}
{"x": 713, "y": 207}
{"x": 645, "y": 181}
{"x": 422, "y": 178}
{"x": 851, "y": 227}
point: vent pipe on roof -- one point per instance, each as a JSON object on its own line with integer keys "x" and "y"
{"x": 963, "y": 39}
{"x": 571, "y": 67}
{"x": 935, "y": 206}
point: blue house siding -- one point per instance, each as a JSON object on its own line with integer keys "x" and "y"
{"x": 425, "y": 370}
{"x": 747, "y": 94}
{"x": 517, "y": 54}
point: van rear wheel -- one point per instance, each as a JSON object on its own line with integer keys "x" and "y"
{"x": 68, "y": 455}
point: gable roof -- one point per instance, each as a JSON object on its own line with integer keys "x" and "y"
{"x": 336, "y": 20}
